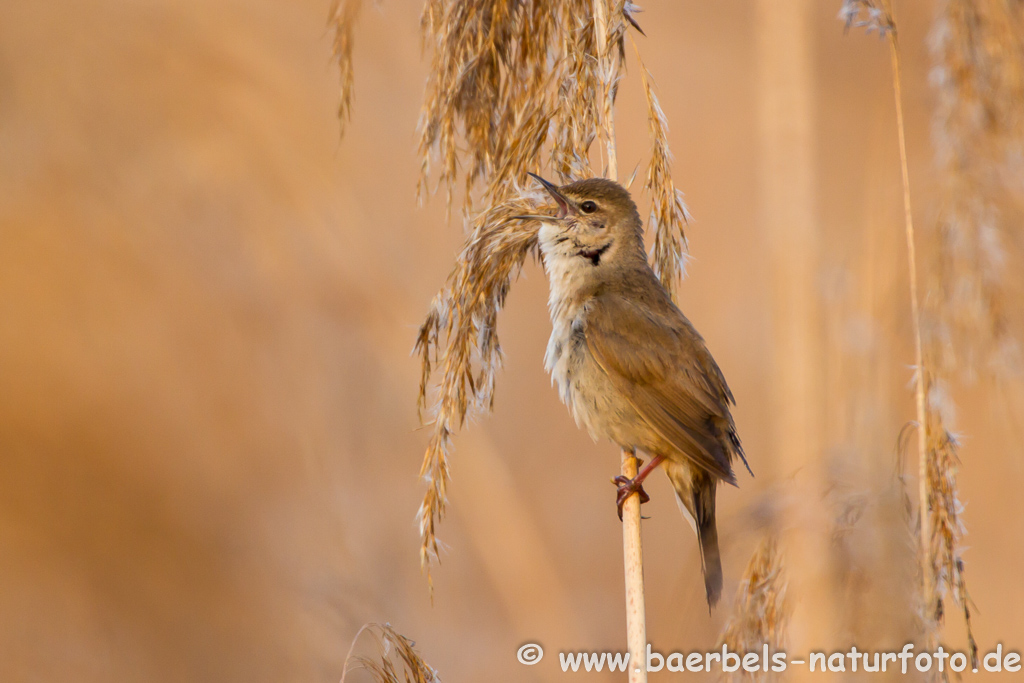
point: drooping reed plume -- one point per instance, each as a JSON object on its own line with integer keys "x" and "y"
{"x": 761, "y": 613}
{"x": 940, "y": 528}
{"x": 668, "y": 211}
{"x": 459, "y": 337}
{"x": 396, "y": 661}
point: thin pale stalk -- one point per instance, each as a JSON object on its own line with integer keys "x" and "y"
{"x": 607, "y": 70}
{"x": 632, "y": 547}
{"x": 915, "y": 311}
{"x": 633, "y": 557}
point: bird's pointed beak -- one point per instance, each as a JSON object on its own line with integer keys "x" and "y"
{"x": 532, "y": 217}
{"x": 564, "y": 207}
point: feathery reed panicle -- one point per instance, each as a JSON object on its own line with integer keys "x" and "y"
{"x": 577, "y": 116}
{"x": 609, "y": 34}
{"x": 668, "y": 210}
{"x": 491, "y": 65}
{"x": 978, "y": 74}
{"x": 761, "y": 612}
{"x": 343, "y": 16}
{"x": 940, "y": 528}
{"x": 383, "y": 668}
{"x": 506, "y": 76}
{"x": 945, "y": 510}
{"x": 460, "y": 336}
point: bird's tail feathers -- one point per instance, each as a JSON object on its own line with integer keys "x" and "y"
{"x": 695, "y": 493}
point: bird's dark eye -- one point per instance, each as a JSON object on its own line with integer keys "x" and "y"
{"x": 588, "y": 207}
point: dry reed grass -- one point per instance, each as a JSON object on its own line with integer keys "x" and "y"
{"x": 940, "y": 529}
{"x": 488, "y": 89}
{"x": 945, "y": 511}
{"x": 578, "y": 107}
{"x": 383, "y": 668}
{"x": 668, "y": 211}
{"x": 761, "y": 611}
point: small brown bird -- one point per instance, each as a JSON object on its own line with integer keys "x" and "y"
{"x": 627, "y": 362}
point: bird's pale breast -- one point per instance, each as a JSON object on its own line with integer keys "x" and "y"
{"x": 583, "y": 386}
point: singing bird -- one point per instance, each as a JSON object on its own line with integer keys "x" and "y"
{"x": 628, "y": 364}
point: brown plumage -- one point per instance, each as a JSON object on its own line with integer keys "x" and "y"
{"x": 628, "y": 363}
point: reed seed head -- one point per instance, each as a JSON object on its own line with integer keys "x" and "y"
{"x": 761, "y": 612}
{"x": 396, "y": 661}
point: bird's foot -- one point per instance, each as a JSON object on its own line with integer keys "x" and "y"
{"x": 627, "y": 487}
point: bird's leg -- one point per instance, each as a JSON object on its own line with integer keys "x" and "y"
{"x": 627, "y": 486}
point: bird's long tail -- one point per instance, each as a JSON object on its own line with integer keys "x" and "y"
{"x": 695, "y": 493}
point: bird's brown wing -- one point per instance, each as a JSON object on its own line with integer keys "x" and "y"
{"x": 660, "y": 364}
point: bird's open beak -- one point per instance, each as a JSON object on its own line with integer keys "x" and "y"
{"x": 564, "y": 207}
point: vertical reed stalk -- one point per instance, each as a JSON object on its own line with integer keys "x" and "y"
{"x": 607, "y": 72}
{"x": 633, "y": 557}
{"x": 632, "y": 546}
{"x": 915, "y": 312}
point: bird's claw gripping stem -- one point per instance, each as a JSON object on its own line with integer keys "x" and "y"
{"x": 627, "y": 487}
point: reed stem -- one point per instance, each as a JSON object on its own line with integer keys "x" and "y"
{"x": 632, "y": 547}
{"x": 915, "y": 309}
{"x": 606, "y": 68}
{"x": 633, "y": 557}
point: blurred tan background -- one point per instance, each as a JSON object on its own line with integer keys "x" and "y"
{"x": 207, "y": 418}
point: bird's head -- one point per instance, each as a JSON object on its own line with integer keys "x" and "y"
{"x": 597, "y": 224}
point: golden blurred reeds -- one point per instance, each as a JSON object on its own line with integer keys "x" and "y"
{"x": 978, "y": 133}
{"x": 786, "y": 203}
{"x": 940, "y": 529}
